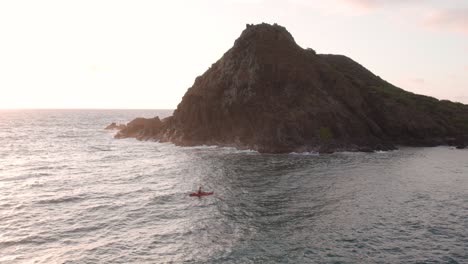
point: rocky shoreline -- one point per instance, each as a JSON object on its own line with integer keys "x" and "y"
{"x": 153, "y": 129}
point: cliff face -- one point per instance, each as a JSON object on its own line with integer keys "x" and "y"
{"x": 267, "y": 93}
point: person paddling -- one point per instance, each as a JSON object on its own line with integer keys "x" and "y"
{"x": 200, "y": 193}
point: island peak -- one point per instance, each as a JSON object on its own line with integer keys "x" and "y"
{"x": 268, "y": 94}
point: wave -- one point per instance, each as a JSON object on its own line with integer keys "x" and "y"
{"x": 33, "y": 239}
{"x": 216, "y": 147}
{"x": 25, "y": 177}
{"x": 350, "y": 153}
{"x": 86, "y": 229}
{"x": 381, "y": 151}
{"x": 64, "y": 199}
{"x": 236, "y": 150}
{"x": 94, "y": 148}
{"x": 199, "y": 147}
{"x": 311, "y": 153}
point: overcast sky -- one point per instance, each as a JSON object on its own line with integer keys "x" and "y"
{"x": 145, "y": 54}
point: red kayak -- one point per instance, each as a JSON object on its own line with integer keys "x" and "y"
{"x": 201, "y": 193}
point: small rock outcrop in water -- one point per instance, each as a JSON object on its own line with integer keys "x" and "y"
{"x": 459, "y": 142}
{"x": 115, "y": 126}
{"x": 141, "y": 128}
{"x": 268, "y": 94}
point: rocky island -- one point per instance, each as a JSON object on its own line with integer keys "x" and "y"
{"x": 268, "y": 94}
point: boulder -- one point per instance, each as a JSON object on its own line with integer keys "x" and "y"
{"x": 114, "y": 125}
{"x": 141, "y": 128}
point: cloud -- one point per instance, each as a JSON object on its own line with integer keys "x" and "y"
{"x": 358, "y": 7}
{"x": 244, "y": 1}
{"x": 97, "y": 67}
{"x": 347, "y": 7}
{"x": 446, "y": 17}
{"x": 455, "y": 20}
{"x": 418, "y": 80}
{"x": 461, "y": 98}
{"x": 373, "y": 4}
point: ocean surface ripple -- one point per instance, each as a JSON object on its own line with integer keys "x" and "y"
{"x": 70, "y": 193}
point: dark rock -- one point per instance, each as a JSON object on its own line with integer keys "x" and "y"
{"x": 141, "y": 128}
{"x": 268, "y": 94}
{"x": 115, "y": 126}
{"x": 459, "y": 142}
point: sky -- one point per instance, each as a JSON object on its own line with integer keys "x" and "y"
{"x": 144, "y": 54}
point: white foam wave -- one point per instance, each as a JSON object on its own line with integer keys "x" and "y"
{"x": 219, "y": 148}
{"x": 350, "y": 153}
{"x": 311, "y": 153}
{"x": 381, "y": 151}
{"x": 236, "y": 150}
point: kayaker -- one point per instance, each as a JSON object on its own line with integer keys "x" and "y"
{"x": 200, "y": 193}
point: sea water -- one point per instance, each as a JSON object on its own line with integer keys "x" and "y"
{"x": 71, "y": 193}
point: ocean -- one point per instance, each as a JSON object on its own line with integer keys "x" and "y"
{"x": 71, "y": 193}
